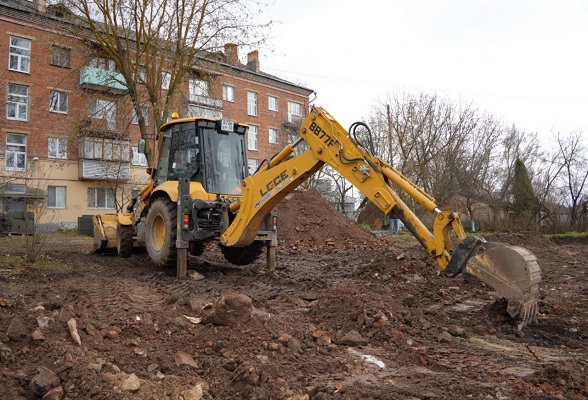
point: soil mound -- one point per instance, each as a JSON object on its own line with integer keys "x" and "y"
{"x": 306, "y": 222}
{"x": 371, "y": 215}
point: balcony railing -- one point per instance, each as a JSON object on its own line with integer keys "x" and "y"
{"x": 292, "y": 120}
{"x": 103, "y": 158}
{"x": 100, "y": 79}
{"x": 206, "y": 101}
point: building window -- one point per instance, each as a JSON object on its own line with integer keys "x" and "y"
{"x": 144, "y": 113}
{"x": 165, "y": 80}
{"x": 201, "y": 111}
{"x": 104, "y": 110}
{"x": 252, "y": 164}
{"x": 198, "y": 88}
{"x": 100, "y": 198}
{"x": 252, "y": 143}
{"x": 57, "y": 148}
{"x": 60, "y": 56}
{"x": 56, "y": 196}
{"x": 252, "y": 103}
{"x": 272, "y": 103}
{"x": 17, "y": 105}
{"x": 105, "y": 64}
{"x": 58, "y": 101}
{"x": 16, "y": 151}
{"x": 273, "y": 135}
{"x": 228, "y": 93}
{"x": 142, "y": 73}
{"x": 294, "y": 112}
{"x": 20, "y": 54}
{"x": 139, "y": 158}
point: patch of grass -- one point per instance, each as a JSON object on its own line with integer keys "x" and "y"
{"x": 41, "y": 263}
{"x": 569, "y": 235}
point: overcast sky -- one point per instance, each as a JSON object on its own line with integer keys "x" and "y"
{"x": 525, "y": 61}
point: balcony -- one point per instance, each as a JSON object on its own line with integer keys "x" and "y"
{"x": 292, "y": 121}
{"x": 102, "y": 80}
{"x": 103, "y": 158}
{"x": 206, "y": 101}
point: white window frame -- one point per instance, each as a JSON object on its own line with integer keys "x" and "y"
{"x": 145, "y": 112}
{"x": 165, "y": 80}
{"x": 101, "y": 198}
{"x": 229, "y": 93}
{"x": 58, "y": 102}
{"x": 16, "y": 150}
{"x": 17, "y": 104}
{"x": 252, "y": 103}
{"x": 102, "y": 63}
{"x": 20, "y": 54}
{"x": 274, "y": 135}
{"x": 252, "y": 165}
{"x": 294, "y": 109}
{"x": 272, "y": 103}
{"x": 60, "y": 56}
{"x": 197, "y": 88}
{"x": 57, "y": 197}
{"x": 139, "y": 158}
{"x": 253, "y": 138}
{"x": 104, "y": 109}
{"x": 57, "y": 148}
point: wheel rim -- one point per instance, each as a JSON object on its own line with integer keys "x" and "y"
{"x": 158, "y": 233}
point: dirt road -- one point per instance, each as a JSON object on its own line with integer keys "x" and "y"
{"x": 373, "y": 322}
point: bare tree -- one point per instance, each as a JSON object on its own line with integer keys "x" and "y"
{"x": 155, "y": 44}
{"x": 573, "y": 156}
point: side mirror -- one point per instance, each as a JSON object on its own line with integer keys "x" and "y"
{"x": 141, "y": 146}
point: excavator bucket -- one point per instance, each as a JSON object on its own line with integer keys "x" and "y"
{"x": 105, "y": 233}
{"x": 514, "y": 272}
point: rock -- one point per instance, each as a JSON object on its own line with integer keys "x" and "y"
{"x": 44, "y": 381}
{"x": 229, "y": 309}
{"x": 37, "y": 335}
{"x": 195, "y": 393}
{"x": 299, "y": 397}
{"x": 54, "y": 394}
{"x": 197, "y": 276}
{"x": 182, "y": 358}
{"x": 131, "y": 384}
{"x": 95, "y": 367}
{"x": 92, "y": 331}
{"x": 6, "y": 356}
{"x": 17, "y": 330}
{"x": 65, "y": 314}
{"x": 152, "y": 368}
{"x": 323, "y": 340}
{"x": 444, "y": 337}
{"x": 353, "y": 338}
{"x": 455, "y": 330}
{"x": 73, "y": 331}
{"x": 43, "y": 322}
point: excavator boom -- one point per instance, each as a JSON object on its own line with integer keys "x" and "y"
{"x": 512, "y": 271}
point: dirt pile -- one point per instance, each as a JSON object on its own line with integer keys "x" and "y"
{"x": 306, "y": 222}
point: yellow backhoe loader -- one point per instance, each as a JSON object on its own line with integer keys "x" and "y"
{"x": 200, "y": 190}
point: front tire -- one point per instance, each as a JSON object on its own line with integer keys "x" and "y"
{"x": 243, "y": 255}
{"x": 124, "y": 240}
{"x": 160, "y": 235}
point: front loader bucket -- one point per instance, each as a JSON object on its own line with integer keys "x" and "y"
{"x": 105, "y": 233}
{"x": 514, "y": 272}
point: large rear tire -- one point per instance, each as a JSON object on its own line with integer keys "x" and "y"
{"x": 243, "y": 255}
{"x": 124, "y": 240}
{"x": 160, "y": 235}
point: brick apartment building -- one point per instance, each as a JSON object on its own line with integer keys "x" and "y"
{"x": 67, "y": 131}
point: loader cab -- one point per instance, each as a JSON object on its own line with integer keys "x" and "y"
{"x": 203, "y": 150}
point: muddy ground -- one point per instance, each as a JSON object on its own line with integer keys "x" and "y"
{"x": 349, "y": 314}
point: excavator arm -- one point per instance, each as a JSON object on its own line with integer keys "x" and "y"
{"x": 512, "y": 271}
